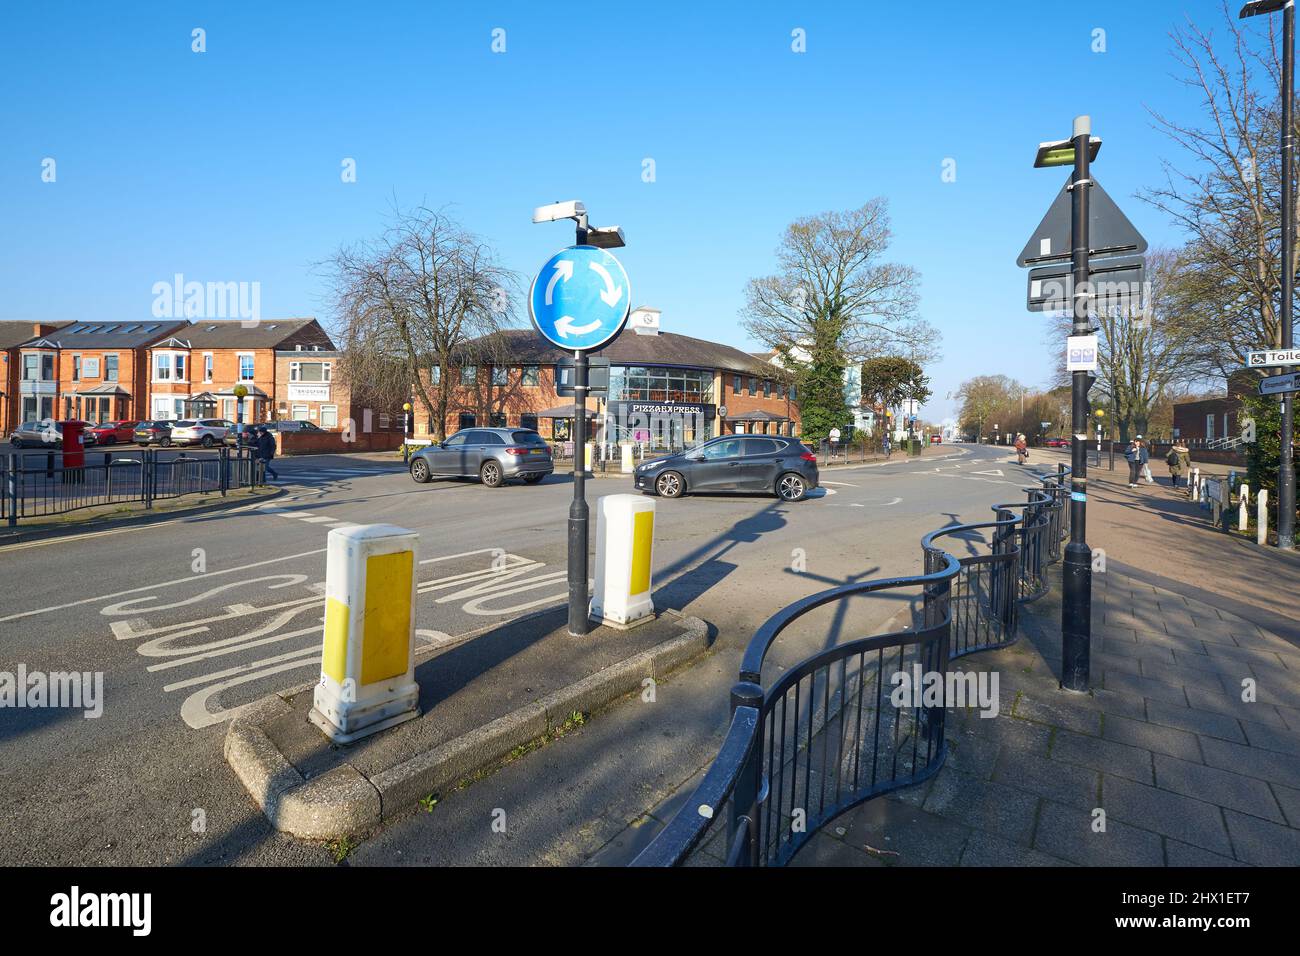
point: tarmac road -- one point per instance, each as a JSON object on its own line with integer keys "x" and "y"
{"x": 189, "y": 619}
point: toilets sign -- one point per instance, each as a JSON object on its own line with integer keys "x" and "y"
{"x": 580, "y": 299}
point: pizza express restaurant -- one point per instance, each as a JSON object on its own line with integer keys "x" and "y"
{"x": 672, "y": 391}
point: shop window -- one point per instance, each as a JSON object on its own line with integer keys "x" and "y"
{"x": 469, "y": 375}
{"x": 500, "y": 375}
{"x": 466, "y": 420}
{"x": 497, "y": 420}
{"x": 329, "y": 416}
{"x": 532, "y": 376}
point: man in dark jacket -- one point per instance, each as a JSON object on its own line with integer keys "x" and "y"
{"x": 266, "y": 450}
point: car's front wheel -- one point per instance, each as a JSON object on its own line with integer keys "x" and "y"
{"x": 791, "y": 487}
{"x": 419, "y": 470}
{"x": 490, "y": 474}
{"x": 16, "y": 441}
{"x": 165, "y": 442}
{"x": 670, "y": 485}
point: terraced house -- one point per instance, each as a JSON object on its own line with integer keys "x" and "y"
{"x": 194, "y": 371}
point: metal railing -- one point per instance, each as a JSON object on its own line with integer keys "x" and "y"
{"x": 40, "y": 484}
{"x": 828, "y": 735}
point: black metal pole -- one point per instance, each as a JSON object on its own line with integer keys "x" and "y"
{"x": 578, "y": 617}
{"x": 1286, "y": 476}
{"x": 1076, "y": 604}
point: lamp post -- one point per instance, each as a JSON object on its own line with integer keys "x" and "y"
{"x": 607, "y": 237}
{"x": 406, "y": 431}
{"x": 1286, "y": 468}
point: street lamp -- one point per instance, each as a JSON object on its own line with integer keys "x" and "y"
{"x": 406, "y": 431}
{"x": 605, "y": 237}
{"x": 1286, "y": 468}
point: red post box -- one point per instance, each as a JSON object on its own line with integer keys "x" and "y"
{"x": 74, "y": 450}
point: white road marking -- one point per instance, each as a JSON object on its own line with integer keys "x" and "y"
{"x": 151, "y": 587}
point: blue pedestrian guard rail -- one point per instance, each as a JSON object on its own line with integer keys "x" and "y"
{"x": 825, "y": 735}
{"x": 37, "y": 484}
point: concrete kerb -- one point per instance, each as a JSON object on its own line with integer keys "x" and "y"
{"x": 345, "y": 803}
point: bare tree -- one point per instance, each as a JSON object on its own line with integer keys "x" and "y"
{"x": 424, "y": 297}
{"x": 833, "y": 283}
{"x": 1227, "y": 196}
{"x": 1145, "y": 356}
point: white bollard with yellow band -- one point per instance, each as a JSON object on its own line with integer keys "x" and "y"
{"x": 367, "y": 674}
{"x": 625, "y": 527}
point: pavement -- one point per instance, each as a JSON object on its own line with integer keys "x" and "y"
{"x": 192, "y": 622}
{"x": 1186, "y": 752}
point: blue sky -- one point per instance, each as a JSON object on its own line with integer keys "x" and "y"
{"x": 225, "y": 165}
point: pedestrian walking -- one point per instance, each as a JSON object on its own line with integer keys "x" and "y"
{"x": 1184, "y": 462}
{"x": 886, "y": 446}
{"x": 1133, "y": 455}
{"x": 1178, "y": 459}
{"x": 1022, "y": 449}
{"x": 266, "y": 451}
{"x": 1146, "y": 461}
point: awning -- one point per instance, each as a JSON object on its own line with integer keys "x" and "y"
{"x": 563, "y": 411}
{"x": 106, "y": 389}
{"x": 758, "y": 417}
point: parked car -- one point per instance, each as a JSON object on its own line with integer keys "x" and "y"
{"x": 239, "y": 434}
{"x": 202, "y": 431}
{"x": 494, "y": 455}
{"x": 1057, "y": 443}
{"x": 776, "y": 464}
{"x": 47, "y": 433}
{"x": 291, "y": 425}
{"x": 153, "y": 433}
{"x": 110, "y": 433}
{"x": 936, "y": 439}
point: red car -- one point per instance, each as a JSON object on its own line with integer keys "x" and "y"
{"x": 110, "y": 433}
{"x": 1057, "y": 443}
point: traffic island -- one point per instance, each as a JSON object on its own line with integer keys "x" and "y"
{"x": 482, "y": 703}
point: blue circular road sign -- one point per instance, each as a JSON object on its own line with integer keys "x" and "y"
{"x": 581, "y": 298}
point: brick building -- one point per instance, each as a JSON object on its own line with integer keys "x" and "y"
{"x": 665, "y": 389}
{"x": 1214, "y": 419}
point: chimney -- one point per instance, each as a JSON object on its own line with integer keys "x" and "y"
{"x": 43, "y": 328}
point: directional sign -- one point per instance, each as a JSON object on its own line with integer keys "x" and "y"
{"x": 580, "y": 299}
{"x": 1273, "y": 357}
{"x": 1280, "y": 384}
{"x": 1117, "y": 283}
{"x": 1109, "y": 231}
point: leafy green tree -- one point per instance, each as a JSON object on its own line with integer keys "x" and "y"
{"x": 891, "y": 380}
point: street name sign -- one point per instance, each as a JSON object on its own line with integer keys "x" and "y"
{"x": 1280, "y": 384}
{"x": 580, "y": 299}
{"x": 1109, "y": 231}
{"x": 1273, "y": 357}
{"x": 1117, "y": 283}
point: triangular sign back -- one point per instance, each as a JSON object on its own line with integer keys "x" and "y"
{"x": 1109, "y": 231}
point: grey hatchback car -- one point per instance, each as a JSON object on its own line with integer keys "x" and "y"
{"x": 778, "y": 465}
{"x": 493, "y": 455}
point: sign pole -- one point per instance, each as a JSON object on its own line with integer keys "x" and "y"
{"x": 579, "y": 623}
{"x": 1286, "y": 476}
{"x": 1076, "y": 604}
{"x": 579, "y": 620}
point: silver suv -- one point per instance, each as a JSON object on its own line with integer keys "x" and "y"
{"x": 204, "y": 431}
{"x": 493, "y": 455}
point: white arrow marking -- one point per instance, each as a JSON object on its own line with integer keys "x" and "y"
{"x": 612, "y": 292}
{"x": 563, "y": 270}
{"x": 565, "y": 327}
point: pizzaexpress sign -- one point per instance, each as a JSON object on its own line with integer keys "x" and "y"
{"x": 661, "y": 409}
